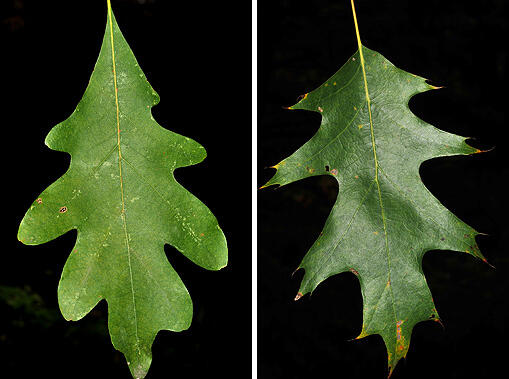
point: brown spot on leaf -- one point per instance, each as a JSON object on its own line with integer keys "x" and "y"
{"x": 202, "y": 234}
{"x": 63, "y": 210}
{"x": 334, "y": 171}
{"x": 299, "y": 295}
{"x": 39, "y": 201}
{"x": 354, "y": 271}
{"x": 320, "y": 109}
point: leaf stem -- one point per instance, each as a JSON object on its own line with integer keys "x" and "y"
{"x": 359, "y": 44}
{"x": 356, "y": 25}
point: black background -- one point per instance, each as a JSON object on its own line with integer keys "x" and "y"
{"x": 198, "y": 59}
{"x": 457, "y": 44}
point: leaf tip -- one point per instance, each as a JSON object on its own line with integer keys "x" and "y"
{"x": 223, "y": 265}
{"x": 478, "y": 151}
{"x": 299, "y": 295}
{"x": 22, "y": 235}
{"x": 439, "y": 321}
{"x": 294, "y": 271}
{"x": 488, "y": 263}
{"x": 362, "y": 334}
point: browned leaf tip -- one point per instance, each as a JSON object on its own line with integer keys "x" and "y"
{"x": 488, "y": 263}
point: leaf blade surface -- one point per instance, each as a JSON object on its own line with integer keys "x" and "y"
{"x": 120, "y": 194}
{"x": 384, "y": 218}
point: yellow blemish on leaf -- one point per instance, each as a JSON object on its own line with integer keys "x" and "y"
{"x": 375, "y": 233}
{"x": 360, "y": 126}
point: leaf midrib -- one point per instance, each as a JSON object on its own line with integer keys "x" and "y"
{"x": 123, "y": 214}
{"x": 373, "y": 143}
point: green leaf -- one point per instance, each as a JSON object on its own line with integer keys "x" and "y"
{"x": 121, "y": 196}
{"x": 384, "y": 219}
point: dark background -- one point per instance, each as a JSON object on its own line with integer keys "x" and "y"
{"x": 457, "y": 44}
{"x": 195, "y": 57}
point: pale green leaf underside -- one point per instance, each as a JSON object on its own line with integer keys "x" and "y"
{"x": 384, "y": 218}
{"x": 121, "y": 196}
